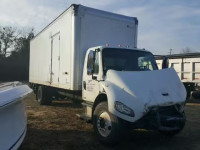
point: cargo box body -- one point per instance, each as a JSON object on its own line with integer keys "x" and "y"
{"x": 57, "y": 53}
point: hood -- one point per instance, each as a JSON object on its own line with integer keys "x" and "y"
{"x": 159, "y": 87}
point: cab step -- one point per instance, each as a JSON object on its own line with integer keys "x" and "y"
{"x": 84, "y": 117}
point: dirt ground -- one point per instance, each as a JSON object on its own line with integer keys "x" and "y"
{"x": 57, "y": 127}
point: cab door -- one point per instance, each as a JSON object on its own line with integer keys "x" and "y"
{"x": 90, "y": 76}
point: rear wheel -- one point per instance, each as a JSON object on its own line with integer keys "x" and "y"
{"x": 43, "y": 97}
{"x": 105, "y": 124}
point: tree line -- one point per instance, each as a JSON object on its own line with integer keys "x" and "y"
{"x": 14, "y": 53}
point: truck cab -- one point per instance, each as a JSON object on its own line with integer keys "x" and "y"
{"x": 99, "y": 60}
{"x": 124, "y": 86}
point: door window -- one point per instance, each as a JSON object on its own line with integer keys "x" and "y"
{"x": 93, "y": 63}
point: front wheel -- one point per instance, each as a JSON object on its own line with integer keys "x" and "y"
{"x": 106, "y": 125}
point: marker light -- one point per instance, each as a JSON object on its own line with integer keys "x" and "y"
{"x": 119, "y": 45}
{"x": 107, "y": 45}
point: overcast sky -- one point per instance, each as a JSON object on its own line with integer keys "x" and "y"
{"x": 163, "y": 24}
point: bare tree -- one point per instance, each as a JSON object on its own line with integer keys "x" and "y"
{"x": 17, "y": 42}
{"x": 186, "y": 50}
{"x": 8, "y": 36}
{"x": 22, "y": 42}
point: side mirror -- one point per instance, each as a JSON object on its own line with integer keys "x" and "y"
{"x": 165, "y": 62}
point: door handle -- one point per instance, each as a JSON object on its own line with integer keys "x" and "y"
{"x": 84, "y": 85}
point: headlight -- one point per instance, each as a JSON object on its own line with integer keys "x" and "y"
{"x": 124, "y": 109}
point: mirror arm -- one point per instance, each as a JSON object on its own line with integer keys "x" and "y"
{"x": 94, "y": 77}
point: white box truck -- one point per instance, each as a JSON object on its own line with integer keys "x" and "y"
{"x": 95, "y": 53}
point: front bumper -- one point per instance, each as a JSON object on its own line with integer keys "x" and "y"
{"x": 165, "y": 118}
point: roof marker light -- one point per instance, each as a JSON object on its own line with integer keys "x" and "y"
{"x": 107, "y": 45}
{"x": 119, "y": 45}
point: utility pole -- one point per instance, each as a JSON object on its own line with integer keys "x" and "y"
{"x": 170, "y": 51}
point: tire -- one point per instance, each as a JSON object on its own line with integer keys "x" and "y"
{"x": 106, "y": 125}
{"x": 43, "y": 96}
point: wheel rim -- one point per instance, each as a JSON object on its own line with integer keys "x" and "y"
{"x": 104, "y": 124}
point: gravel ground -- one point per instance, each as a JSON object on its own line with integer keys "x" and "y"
{"x": 57, "y": 127}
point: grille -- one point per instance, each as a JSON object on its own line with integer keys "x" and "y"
{"x": 168, "y": 110}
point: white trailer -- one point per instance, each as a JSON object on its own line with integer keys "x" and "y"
{"x": 95, "y": 53}
{"x": 187, "y": 67}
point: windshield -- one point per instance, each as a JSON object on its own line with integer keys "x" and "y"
{"x": 127, "y": 60}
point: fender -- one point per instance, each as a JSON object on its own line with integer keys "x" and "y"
{"x": 115, "y": 93}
